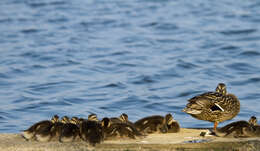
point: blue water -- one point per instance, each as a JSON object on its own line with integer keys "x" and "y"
{"x": 140, "y": 57}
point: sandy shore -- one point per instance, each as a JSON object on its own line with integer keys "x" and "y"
{"x": 187, "y": 139}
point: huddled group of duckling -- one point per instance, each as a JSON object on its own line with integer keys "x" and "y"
{"x": 216, "y": 106}
{"x": 95, "y": 131}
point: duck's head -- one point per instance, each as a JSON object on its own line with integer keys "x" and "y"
{"x": 93, "y": 117}
{"x": 105, "y": 122}
{"x": 169, "y": 119}
{"x": 65, "y": 119}
{"x": 123, "y": 117}
{"x": 74, "y": 120}
{"x": 221, "y": 88}
{"x": 55, "y": 119}
{"x": 253, "y": 120}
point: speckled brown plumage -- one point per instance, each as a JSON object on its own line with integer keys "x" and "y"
{"x": 215, "y": 106}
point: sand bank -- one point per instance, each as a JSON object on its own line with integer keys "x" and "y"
{"x": 187, "y": 139}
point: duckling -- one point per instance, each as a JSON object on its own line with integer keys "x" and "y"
{"x": 56, "y": 129}
{"x": 91, "y": 131}
{"x": 153, "y": 124}
{"x": 51, "y": 133}
{"x": 253, "y": 120}
{"x": 123, "y": 118}
{"x": 234, "y": 129}
{"x": 44, "y": 133}
{"x": 69, "y": 130}
{"x": 172, "y": 125}
{"x": 81, "y": 128}
{"x": 215, "y": 106}
{"x": 240, "y": 129}
{"x": 119, "y": 130}
{"x": 29, "y": 134}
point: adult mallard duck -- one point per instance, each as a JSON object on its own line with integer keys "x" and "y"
{"x": 215, "y": 106}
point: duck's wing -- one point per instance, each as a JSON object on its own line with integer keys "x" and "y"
{"x": 206, "y": 101}
{"x": 229, "y": 103}
{"x": 211, "y": 97}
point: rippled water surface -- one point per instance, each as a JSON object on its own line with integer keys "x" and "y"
{"x": 141, "y": 57}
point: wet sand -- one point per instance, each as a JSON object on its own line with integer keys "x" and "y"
{"x": 186, "y": 139}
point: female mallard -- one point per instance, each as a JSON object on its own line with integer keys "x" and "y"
{"x": 215, "y": 106}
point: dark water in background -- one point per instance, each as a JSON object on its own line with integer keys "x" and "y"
{"x": 141, "y": 57}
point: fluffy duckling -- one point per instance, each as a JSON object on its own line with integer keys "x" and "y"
{"x": 91, "y": 131}
{"x": 29, "y": 134}
{"x": 172, "y": 125}
{"x": 53, "y": 132}
{"x": 69, "y": 130}
{"x": 214, "y": 107}
{"x": 45, "y": 133}
{"x": 123, "y": 118}
{"x": 119, "y": 130}
{"x": 253, "y": 120}
{"x": 153, "y": 124}
{"x": 234, "y": 129}
{"x": 240, "y": 129}
{"x": 254, "y": 129}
